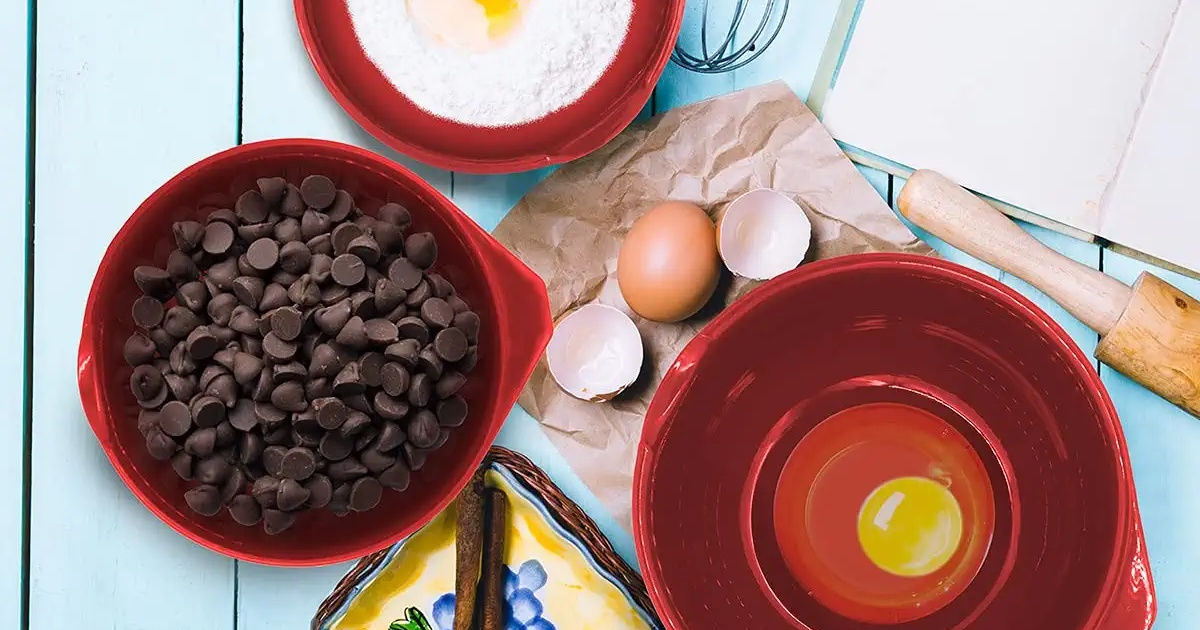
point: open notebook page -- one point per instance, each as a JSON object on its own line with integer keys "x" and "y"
{"x": 1031, "y": 102}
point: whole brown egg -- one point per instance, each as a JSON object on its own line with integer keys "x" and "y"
{"x": 669, "y": 266}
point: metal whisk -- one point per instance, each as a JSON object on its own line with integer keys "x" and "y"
{"x": 727, "y": 57}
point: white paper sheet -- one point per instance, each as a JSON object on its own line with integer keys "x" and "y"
{"x": 1081, "y": 111}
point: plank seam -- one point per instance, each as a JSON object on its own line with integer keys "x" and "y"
{"x": 27, "y": 386}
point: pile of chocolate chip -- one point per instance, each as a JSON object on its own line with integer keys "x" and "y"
{"x": 296, "y": 353}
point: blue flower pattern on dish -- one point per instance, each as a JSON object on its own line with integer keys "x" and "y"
{"x": 522, "y": 608}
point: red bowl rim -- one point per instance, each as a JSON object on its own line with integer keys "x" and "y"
{"x": 594, "y": 136}
{"x": 1081, "y": 364}
{"x": 97, "y": 418}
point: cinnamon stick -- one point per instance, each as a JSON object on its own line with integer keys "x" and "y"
{"x": 492, "y": 588}
{"x": 468, "y": 551}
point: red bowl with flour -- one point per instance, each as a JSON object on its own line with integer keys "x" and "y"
{"x": 572, "y": 132}
{"x": 1065, "y": 549}
{"x": 510, "y": 299}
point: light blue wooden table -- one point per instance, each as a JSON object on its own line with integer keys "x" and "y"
{"x": 100, "y": 102}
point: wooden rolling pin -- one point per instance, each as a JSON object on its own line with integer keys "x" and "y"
{"x": 1150, "y": 332}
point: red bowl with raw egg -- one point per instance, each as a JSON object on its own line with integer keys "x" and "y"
{"x": 887, "y": 439}
{"x": 572, "y": 132}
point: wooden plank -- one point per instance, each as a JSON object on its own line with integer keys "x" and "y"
{"x": 117, "y": 115}
{"x": 14, "y": 242}
{"x": 1164, "y": 446}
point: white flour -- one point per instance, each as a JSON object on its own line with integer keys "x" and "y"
{"x": 560, "y": 49}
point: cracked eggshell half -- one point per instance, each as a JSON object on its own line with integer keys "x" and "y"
{"x": 763, "y": 234}
{"x": 595, "y": 352}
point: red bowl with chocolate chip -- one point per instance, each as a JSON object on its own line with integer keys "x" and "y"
{"x": 509, "y": 298}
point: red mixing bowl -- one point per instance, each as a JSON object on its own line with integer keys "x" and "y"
{"x": 1067, "y": 551}
{"x": 572, "y": 132}
{"x": 510, "y": 299}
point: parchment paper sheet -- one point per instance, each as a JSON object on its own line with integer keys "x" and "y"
{"x": 569, "y": 230}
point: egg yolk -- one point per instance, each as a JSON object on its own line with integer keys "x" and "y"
{"x": 477, "y": 25}
{"x": 910, "y": 526}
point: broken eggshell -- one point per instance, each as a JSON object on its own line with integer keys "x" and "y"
{"x": 595, "y": 352}
{"x": 763, "y": 234}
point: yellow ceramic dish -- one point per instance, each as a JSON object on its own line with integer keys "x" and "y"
{"x": 552, "y": 581}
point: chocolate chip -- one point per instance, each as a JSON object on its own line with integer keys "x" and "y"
{"x": 413, "y": 328}
{"x": 269, "y": 415}
{"x": 419, "y": 295}
{"x": 250, "y": 448}
{"x": 348, "y": 381}
{"x": 163, "y": 341}
{"x": 220, "y": 308}
{"x": 223, "y": 334}
{"x": 406, "y": 274}
{"x": 188, "y": 235}
{"x": 181, "y": 463}
{"x": 365, "y": 494}
{"x": 397, "y": 477}
{"x": 289, "y": 397}
{"x": 294, "y": 257}
{"x": 244, "y": 320}
{"x": 339, "y": 502}
{"x": 394, "y": 379}
{"x": 353, "y": 334}
{"x": 342, "y": 207}
{"x": 242, "y": 417}
{"x": 395, "y": 214}
{"x": 449, "y": 384}
{"x": 346, "y": 469}
{"x": 451, "y": 344}
{"x": 246, "y": 368}
{"x": 391, "y": 436}
{"x": 218, "y": 237}
{"x": 201, "y": 443}
{"x": 320, "y": 491}
{"x": 278, "y": 349}
{"x": 234, "y": 485}
{"x": 204, "y": 500}
{"x": 389, "y": 237}
{"x": 437, "y": 312}
{"x": 314, "y": 224}
{"x": 362, "y": 304}
{"x": 421, "y": 249}
{"x": 467, "y": 363}
{"x": 419, "y": 390}
{"x": 318, "y": 191}
{"x": 274, "y": 296}
{"x": 390, "y": 407}
{"x": 342, "y": 236}
{"x": 146, "y": 383}
{"x": 298, "y": 463}
{"x": 414, "y": 456}
{"x": 348, "y": 270}
{"x": 223, "y": 215}
{"x": 305, "y": 291}
{"x": 359, "y": 402}
{"x": 293, "y": 203}
{"x": 331, "y": 319}
{"x": 153, "y": 281}
{"x": 381, "y": 332}
{"x": 326, "y": 361}
{"x": 286, "y": 323}
{"x": 249, "y": 290}
{"x": 212, "y": 469}
{"x": 265, "y": 490}
{"x": 320, "y": 267}
{"x": 179, "y": 321}
{"x": 207, "y": 411}
{"x": 288, "y": 230}
{"x": 193, "y": 295}
{"x": 331, "y": 413}
{"x": 365, "y": 438}
{"x": 430, "y": 363}
{"x": 175, "y": 419}
{"x": 147, "y": 312}
{"x": 263, "y": 254}
{"x": 332, "y": 293}
{"x": 441, "y": 286}
{"x": 272, "y": 189}
{"x": 365, "y": 248}
{"x": 405, "y": 351}
{"x": 201, "y": 343}
{"x": 452, "y": 411}
{"x": 159, "y": 444}
{"x": 277, "y": 521}
{"x": 423, "y": 429}
{"x": 181, "y": 387}
{"x": 355, "y": 422}
{"x": 245, "y": 510}
{"x": 335, "y": 446}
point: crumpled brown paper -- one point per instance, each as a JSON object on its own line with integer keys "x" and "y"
{"x": 569, "y": 230}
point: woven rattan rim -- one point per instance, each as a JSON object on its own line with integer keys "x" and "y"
{"x": 566, "y": 512}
